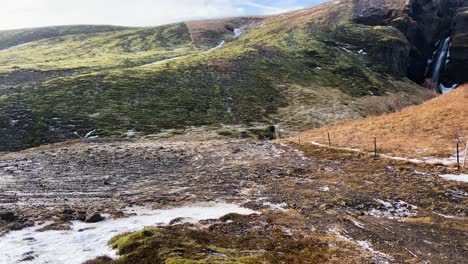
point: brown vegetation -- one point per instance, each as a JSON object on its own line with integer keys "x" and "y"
{"x": 426, "y": 130}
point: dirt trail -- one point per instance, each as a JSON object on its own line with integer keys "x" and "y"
{"x": 367, "y": 210}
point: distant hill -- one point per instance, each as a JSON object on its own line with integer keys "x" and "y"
{"x": 338, "y": 61}
{"x": 420, "y": 131}
{"x": 10, "y": 38}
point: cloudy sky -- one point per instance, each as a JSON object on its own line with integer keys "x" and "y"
{"x": 38, "y": 13}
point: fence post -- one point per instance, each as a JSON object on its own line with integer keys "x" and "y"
{"x": 466, "y": 152}
{"x": 458, "y": 154}
{"x": 375, "y": 147}
{"x": 299, "y": 138}
{"x": 329, "y": 140}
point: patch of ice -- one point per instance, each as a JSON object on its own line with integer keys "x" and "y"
{"x": 87, "y": 241}
{"x": 454, "y": 177}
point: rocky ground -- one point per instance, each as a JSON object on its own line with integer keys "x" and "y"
{"x": 336, "y": 206}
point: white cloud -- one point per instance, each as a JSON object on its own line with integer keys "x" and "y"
{"x": 35, "y": 13}
{"x": 265, "y": 7}
{"x": 38, "y": 13}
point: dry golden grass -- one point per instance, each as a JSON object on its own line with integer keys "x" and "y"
{"x": 420, "y": 131}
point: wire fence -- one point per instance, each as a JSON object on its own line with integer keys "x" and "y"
{"x": 461, "y": 148}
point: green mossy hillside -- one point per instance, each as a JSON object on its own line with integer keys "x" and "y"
{"x": 249, "y": 81}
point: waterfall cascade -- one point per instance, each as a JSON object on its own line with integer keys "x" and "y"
{"x": 440, "y": 59}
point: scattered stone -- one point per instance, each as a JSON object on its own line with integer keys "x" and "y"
{"x": 94, "y": 218}
{"x": 7, "y": 216}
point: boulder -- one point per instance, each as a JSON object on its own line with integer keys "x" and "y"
{"x": 7, "y": 216}
{"x": 94, "y": 218}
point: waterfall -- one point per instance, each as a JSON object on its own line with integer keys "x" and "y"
{"x": 440, "y": 61}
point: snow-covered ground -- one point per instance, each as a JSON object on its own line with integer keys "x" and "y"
{"x": 87, "y": 241}
{"x": 454, "y": 177}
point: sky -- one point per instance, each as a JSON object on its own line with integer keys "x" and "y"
{"x": 39, "y": 13}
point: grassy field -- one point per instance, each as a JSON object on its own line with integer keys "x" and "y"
{"x": 430, "y": 129}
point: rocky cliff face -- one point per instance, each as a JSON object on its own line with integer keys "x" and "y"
{"x": 457, "y": 67}
{"x": 423, "y": 23}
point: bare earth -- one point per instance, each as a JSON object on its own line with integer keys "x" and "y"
{"x": 365, "y": 210}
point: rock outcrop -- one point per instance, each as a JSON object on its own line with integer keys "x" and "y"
{"x": 423, "y": 23}
{"x": 458, "y": 61}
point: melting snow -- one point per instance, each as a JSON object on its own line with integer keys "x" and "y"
{"x": 324, "y": 189}
{"x": 238, "y": 32}
{"x": 454, "y": 177}
{"x": 347, "y": 50}
{"x": 161, "y": 61}
{"x": 87, "y": 241}
{"x": 219, "y": 46}
{"x": 91, "y": 134}
{"x": 446, "y": 90}
{"x": 277, "y": 207}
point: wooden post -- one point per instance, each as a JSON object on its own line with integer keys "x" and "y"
{"x": 329, "y": 140}
{"x": 466, "y": 152}
{"x": 299, "y": 138}
{"x": 375, "y": 147}
{"x": 458, "y": 154}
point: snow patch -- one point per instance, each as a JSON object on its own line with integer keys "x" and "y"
{"x": 324, "y": 189}
{"x": 14, "y": 47}
{"x": 91, "y": 134}
{"x": 161, "y": 61}
{"x": 347, "y": 50}
{"x": 130, "y": 133}
{"x": 276, "y": 207}
{"x": 88, "y": 241}
{"x": 445, "y": 90}
{"x": 454, "y": 177}
{"x": 220, "y": 45}
{"x": 379, "y": 257}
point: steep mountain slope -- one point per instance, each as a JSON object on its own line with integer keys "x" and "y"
{"x": 426, "y": 130}
{"x": 298, "y": 70}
